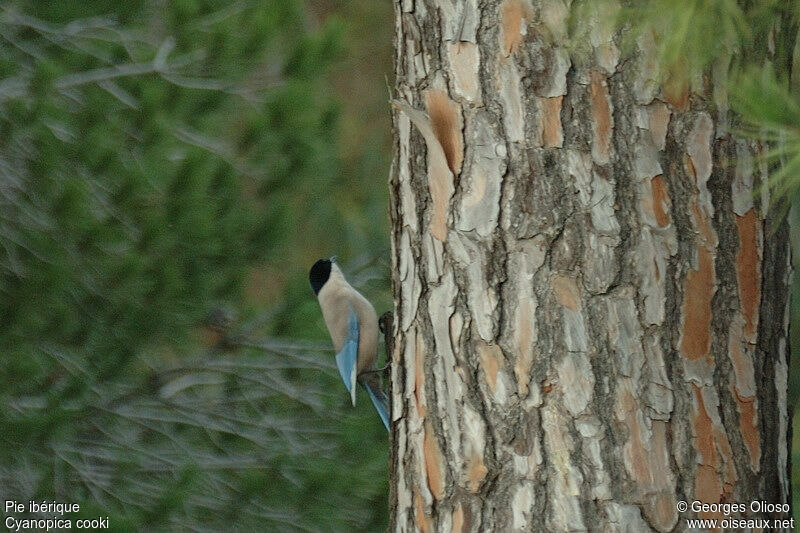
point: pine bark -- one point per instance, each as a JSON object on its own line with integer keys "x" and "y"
{"x": 591, "y": 293}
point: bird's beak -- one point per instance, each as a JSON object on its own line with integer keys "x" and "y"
{"x": 333, "y": 259}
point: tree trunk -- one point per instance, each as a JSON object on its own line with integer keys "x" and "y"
{"x": 591, "y": 301}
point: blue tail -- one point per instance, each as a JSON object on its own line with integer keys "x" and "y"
{"x": 379, "y": 401}
{"x": 346, "y": 359}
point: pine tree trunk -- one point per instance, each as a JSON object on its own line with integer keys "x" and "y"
{"x": 591, "y": 300}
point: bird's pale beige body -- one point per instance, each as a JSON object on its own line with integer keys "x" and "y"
{"x": 335, "y": 298}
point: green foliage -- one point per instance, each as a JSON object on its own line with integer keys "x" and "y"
{"x": 690, "y": 34}
{"x": 696, "y": 31}
{"x": 771, "y": 113}
{"x": 752, "y": 43}
{"x": 155, "y": 155}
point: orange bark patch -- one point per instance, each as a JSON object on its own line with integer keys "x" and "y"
{"x": 698, "y": 291}
{"x": 689, "y": 166}
{"x": 601, "y": 114}
{"x": 716, "y": 472}
{"x": 567, "y": 292}
{"x": 707, "y": 487}
{"x": 490, "y": 358}
{"x": 747, "y": 271}
{"x": 552, "y": 134}
{"x": 661, "y": 202}
{"x": 748, "y": 424}
{"x": 635, "y": 454}
{"x": 447, "y": 124}
{"x": 458, "y": 520}
{"x": 433, "y": 462}
{"x": 511, "y": 13}
{"x": 646, "y": 455}
{"x": 423, "y": 520}
{"x": 704, "y": 436}
{"x": 440, "y": 177}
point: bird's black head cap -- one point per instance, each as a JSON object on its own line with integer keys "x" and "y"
{"x": 320, "y": 273}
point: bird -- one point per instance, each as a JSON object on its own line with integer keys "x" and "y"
{"x": 353, "y": 326}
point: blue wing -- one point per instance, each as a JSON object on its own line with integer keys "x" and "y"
{"x": 379, "y": 401}
{"x": 348, "y": 356}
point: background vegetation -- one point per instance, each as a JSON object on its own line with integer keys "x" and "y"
{"x": 168, "y": 173}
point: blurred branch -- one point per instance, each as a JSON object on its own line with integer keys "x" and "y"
{"x": 216, "y": 147}
{"x": 219, "y": 16}
{"x": 157, "y": 65}
{"x": 69, "y": 37}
